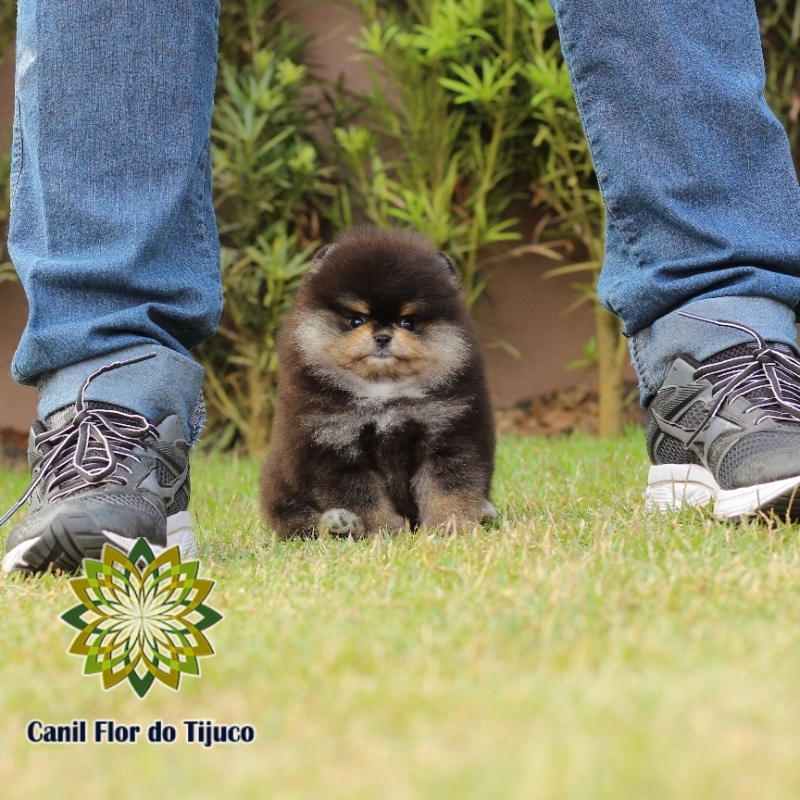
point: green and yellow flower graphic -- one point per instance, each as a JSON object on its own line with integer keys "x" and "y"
{"x": 141, "y": 617}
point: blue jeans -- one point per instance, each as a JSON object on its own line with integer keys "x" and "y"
{"x": 112, "y": 227}
{"x": 702, "y": 200}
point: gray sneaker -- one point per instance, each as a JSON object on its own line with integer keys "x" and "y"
{"x": 727, "y": 430}
{"x": 101, "y": 474}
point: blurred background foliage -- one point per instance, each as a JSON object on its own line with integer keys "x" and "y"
{"x": 444, "y": 142}
{"x": 780, "y": 35}
{"x": 273, "y": 195}
{"x": 470, "y": 111}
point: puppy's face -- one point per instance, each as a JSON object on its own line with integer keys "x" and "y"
{"x": 375, "y": 345}
{"x": 380, "y": 316}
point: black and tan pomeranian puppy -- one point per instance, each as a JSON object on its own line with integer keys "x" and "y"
{"x": 383, "y": 416}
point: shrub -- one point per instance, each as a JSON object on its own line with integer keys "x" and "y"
{"x": 270, "y": 194}
{"x": 444, "y": 143}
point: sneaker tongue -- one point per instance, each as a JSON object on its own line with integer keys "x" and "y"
{"x": 763, "y": 392}
{"x": 737, "y": 351}
{"x": 745, "y": 349}
{"x": 35, "y": 455}
{"x": 61, "y": 417}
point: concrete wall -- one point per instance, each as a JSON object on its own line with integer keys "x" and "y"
{"x": 520, "y": 307}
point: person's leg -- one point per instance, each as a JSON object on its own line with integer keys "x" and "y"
{"x": 112, "y": 227}
{"x": 703, "y": 218}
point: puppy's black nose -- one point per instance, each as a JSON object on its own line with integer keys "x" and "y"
{"x": 382, "y": 339}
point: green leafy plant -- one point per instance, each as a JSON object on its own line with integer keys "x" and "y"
{"x": 471, "y": 107}
{"x": 444, "y": 143}
{"x": 270, "y": 195}
{"x": 567, "y": 193}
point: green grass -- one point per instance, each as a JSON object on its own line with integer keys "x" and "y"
{"x": 579, "y": 648}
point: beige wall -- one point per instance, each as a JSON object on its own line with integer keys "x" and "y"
{"x": 520, "y": 307}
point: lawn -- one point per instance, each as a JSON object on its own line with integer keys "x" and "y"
{"x": 579, "y": 648}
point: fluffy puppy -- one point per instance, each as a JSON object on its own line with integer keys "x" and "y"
{"x": 383, "y": 416}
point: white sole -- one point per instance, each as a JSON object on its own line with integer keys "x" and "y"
{"x": 15, "y": 558}
{"x": 671, "y": 486}
{"x": 179, "y": 532}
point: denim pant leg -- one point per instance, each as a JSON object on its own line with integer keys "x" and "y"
{"x": 702, "y": 199}
{"x": 112, "y": 227}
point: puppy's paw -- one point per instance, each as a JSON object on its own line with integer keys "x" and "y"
{"x": 342, "y": 522}
{"x": 488, "y": 510}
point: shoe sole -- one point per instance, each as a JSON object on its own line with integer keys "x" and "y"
{"x": 671, "y": 486}
{"x": 63, "y": 550}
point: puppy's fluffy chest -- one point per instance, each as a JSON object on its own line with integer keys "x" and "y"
{"x": 345, "y": 429}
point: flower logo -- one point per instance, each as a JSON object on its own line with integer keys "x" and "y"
{"x": 141, "y": 617}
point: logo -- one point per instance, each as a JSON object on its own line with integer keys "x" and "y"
{"x": 141, "y": 617}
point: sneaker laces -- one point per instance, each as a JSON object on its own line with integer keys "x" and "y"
{"x": 88, "y": 451}
{"x": 771, "y": 378}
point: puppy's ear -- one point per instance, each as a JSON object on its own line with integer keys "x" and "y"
{"x": 320, "y": 256}
{"x": 449, "y": 265}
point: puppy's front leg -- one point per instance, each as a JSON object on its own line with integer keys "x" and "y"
{"x": 357, "y": 505}
{"x": 450, "y": 490}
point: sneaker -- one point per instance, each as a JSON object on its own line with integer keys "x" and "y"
{"x": 727, "y": 430}
{"x": 101, "y": 474}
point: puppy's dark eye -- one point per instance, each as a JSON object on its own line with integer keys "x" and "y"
{"x": 357, "y": 321}
{"x": 407, "y": 323}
